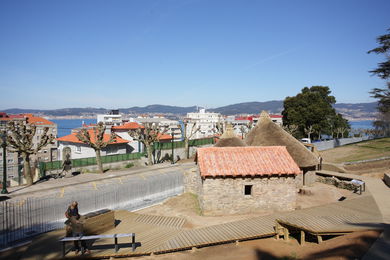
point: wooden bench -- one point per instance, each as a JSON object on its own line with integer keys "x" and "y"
{"x": 95, "y": 237}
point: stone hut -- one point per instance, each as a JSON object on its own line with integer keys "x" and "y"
{"x": 232, "y": 180}
{"x": 229, "y": 139}
{"x": 267, "y": 133}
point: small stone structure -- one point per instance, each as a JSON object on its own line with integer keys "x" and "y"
{"x": 233, "y": 180}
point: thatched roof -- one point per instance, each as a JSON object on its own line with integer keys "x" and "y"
{"x": 229, "y": 139}
{"x": 267, "y": 133}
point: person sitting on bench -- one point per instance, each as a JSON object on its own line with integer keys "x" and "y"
{"x": 72, "y": 213}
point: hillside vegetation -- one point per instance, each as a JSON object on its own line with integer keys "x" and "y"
{"x": 356, "y": 152}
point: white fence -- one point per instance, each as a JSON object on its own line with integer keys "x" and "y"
{"x": 22, "y": 219}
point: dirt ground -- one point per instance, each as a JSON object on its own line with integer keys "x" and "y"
{"x": 186, "y": 206}
{"x": 350, "y": 246}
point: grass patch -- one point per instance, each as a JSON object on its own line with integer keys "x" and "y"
{"x": 365, "y": 150}
{"x": 129, "y": 165}
{"x": 197, "y": 208}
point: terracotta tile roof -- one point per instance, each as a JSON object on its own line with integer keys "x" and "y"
{"x": 128, "y": 126}
{"x": 245, "y": 161}
{"x": 36, "y": 120}
{"x": 72, "y": 138}
{"x": 31, "y": 119}
{"x": 164, "y": 137}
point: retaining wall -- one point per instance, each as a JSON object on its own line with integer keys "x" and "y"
{"x": 325, "y": 145}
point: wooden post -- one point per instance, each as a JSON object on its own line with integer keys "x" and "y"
{"x": 63, "y": 248}
{"x": 277, "y": 230}
{"x": 116, "y": 244}
{"x": 302, "y": 237}
{"x": 133, "y": 242}
{"x": 319, "y": 239}
{"x": 286, "y": 234}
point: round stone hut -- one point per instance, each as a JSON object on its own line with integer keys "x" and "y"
{"x": 229, "y": 139}
{"x": 267, "y": 133}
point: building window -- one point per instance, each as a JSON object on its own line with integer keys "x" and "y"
{"x": 248, "y": 189}
{"x": 78, "y": 149}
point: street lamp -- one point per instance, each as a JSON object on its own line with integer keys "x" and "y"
{"x": 173, "y": 156}
{"x": 4, "y": 145}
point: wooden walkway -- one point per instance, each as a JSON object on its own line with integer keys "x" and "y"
{"x": 158, "y": 234}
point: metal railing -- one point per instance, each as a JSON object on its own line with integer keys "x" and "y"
{"x": 28, "y": 217}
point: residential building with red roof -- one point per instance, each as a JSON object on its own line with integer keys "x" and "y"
{"x": 77, "y": 149}
{"x": 232, "y": 180}
{"x": 133, "y": 146}
{"x": 49, "y": 152}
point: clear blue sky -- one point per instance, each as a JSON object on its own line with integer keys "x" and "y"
{"x": 123, "y": 53}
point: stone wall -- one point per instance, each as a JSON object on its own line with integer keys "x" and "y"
{"x": 193, "y": 182}
{"x": 222, "y": 196}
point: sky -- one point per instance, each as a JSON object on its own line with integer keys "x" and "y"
{"x": 211, "y": 53}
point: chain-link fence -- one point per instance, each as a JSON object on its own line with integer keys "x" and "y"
{"x": 24, "y": 218}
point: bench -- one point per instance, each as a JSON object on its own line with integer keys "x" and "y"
{"x": 95, "y": 237}
{"x": 360, "y": 186}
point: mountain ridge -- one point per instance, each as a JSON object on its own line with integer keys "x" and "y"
{"x": 349, "y": 110}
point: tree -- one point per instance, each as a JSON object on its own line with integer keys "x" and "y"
{"x": 311, "y": 109}
{"x": 309, "y": 130}
{"x": 291, "y": 129}
{"x": 187, "y": 133}
{"x": 243, "y": 130}
{"x": 383, "y": 95}
{"x": 20, "y": 138}
{"x": 148, "y": 136}
{"x": 96, "y": 140}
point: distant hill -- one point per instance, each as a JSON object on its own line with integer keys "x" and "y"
{"x": 159, "y": 109}
{"x": 350, "y": 111}
{"x": 275, "y": 106}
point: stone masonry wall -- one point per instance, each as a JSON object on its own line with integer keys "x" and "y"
{"x": 193, "y": 181}
{"x": 223, "y": 196}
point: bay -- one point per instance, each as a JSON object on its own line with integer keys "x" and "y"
{"x": 361, "y": 124}
{"x": 65, "y": 126}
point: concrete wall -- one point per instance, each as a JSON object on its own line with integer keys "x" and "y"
{"x": 222, "y": 196}
{"x": 325, "y": 145}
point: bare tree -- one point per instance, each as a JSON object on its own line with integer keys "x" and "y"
{"x": 219, "y": 127}
{"x": 96, "y": 141}
{"x": 309, "y": 130}
{"x": 188, "y": 132}
{"x": 148, "y": 136}
{"x": 340, "y": 131}
{"x": 20, "y": 139}
{"x": 291, "y": 129}
{"x": 243, "y": 130}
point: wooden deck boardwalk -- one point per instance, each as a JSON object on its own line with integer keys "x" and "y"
{"x": 158, "y": 234}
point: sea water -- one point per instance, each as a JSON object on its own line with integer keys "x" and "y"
{"x": 65, "y": 126}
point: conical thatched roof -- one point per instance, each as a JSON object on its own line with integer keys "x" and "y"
{"x": 267, "y": 133}
{"x": 229, "y": 139}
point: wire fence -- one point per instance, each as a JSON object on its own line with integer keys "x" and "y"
{"x": 25, "y": 218}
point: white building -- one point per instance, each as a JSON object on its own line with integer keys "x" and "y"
{"x": 77, "y": 149}
{"x": 122, "y": 131}
{"x": 163, "y": 123}
{"x": 205, "y": 121}
{"x": 114, "y": 118}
